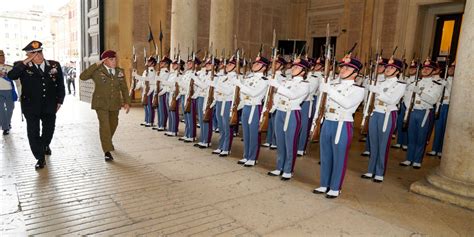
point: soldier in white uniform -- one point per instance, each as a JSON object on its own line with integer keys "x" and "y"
{"x": 402, "y": 136}
{"x": 202, "y": 85}
{"x": 337, "y": 129}
{"x": 147, "y": 84}
{"x": 162, "y": 109}
{"x": 291, "y": 94}
{"x": 308, "y": 108}
{"x": 173, "y": 95}
{"x": 440, "y": 124}
{"x": 225, "y": 88}
{"x": 252, "y": 92}
{"x": 281, "y": 76}
{"x": 428, "y": 92}
{"x": 185, "y": 89}
{"x": 388, "y": 92}
{"x": 381, "y": 63}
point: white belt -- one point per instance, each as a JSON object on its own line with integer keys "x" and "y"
{"x": 284, "y": 106}
{"x": 334, "y": 115}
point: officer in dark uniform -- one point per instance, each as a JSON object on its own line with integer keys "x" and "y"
{"x": 42, "y": 95}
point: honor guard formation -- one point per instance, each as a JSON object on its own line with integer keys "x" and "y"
{"x": 285, "y": 102}
{"x": 276, "y": 101}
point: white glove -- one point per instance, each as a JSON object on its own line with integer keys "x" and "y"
{"x": 238, "y": 83}
{"x": 416, "y": 89}
{"x": 324, "y": 87}
{"x": 274, "y": 83}
{"x": 374, "y": 89}
{"x": 134, "y": 73}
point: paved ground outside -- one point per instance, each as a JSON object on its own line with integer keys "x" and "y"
{"x": 160, "y": 186}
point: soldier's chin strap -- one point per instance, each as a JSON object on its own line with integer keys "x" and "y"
{"x": 261, "y": 66}
{"x": 232, "y": 68}
{"x": 354, "y": 71}
{"x": 396, "y": 71}
{"x": 302, "y": 70}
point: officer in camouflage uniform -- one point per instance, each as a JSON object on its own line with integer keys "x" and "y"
{"x": 110, "y": 94}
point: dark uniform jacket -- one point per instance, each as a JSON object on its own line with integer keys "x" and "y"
{"x": 41, "y": 91}
{"x": 110, "y": 91}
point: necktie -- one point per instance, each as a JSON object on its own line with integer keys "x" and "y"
{"x": 111, "y": 71}
{"x": 39, "y": 68}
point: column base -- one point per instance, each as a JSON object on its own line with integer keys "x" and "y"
{"x": 445, "y": 189}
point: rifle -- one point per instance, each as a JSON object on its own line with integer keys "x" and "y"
{"x": 188, "y": 102}
{"x": 210, "y": 95}
{"x": 133, "y": 82}
{"x": 322, "y": 99}
{"x": 147, "y": 83}
{"x": 234, "y": 117}
{"x": 267, "y": 106}
{"x": 158, "y": 82}
{"x": 438, "y": 105}
{"x": 406, "y": 118}
{"x": 174, "y": 102}
{"x": 369, "y": 104}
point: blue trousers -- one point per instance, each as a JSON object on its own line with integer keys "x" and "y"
{"x": 271, "y": 138}
{"x": 189, "y": 118}
{"x": 6, "y": 108}
{"x": 162, "y": 110}
{"x": 334, "y": 156}
{"x": 149, "y": 112}
{"x": 380, "y": 142}
{"x": 305, "y": 126}
{"x": 417, "y": 135}
{"x": 173, "y": 119}
{"x": 225, "y": 131}
{"x": 250, "y": 132}
{"x": 287, "y": 140}
{"x": 402, "y": 136}
{"x": 206, "y": 128}
{"x": 440, "y": 128}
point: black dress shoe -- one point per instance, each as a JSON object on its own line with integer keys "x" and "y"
{"x": 40, "y": 164}
{"x": 108, "y": 156}
{"x": 6, "y": 132}
{"x": 47, "y": 151}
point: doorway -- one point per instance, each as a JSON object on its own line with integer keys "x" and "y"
{"x": 448, "y": 28}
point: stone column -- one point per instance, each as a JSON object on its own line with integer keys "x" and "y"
{"x": 221, "y": 28}
{"x": 453, "y": 181}
{"x": 118, "y": 25}
{"x": 184, "y": 26}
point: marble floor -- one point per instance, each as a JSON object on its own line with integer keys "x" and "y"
{"x": 159, "y": 186}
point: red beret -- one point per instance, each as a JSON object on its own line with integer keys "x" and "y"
{"x": 108, "y": 54}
